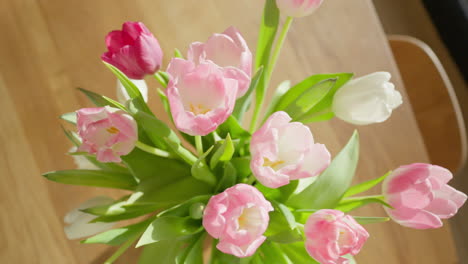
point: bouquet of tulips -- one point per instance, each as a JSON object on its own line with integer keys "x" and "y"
{"x": 266, "y": 194}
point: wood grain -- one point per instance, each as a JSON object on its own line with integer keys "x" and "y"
{"x": 50, "y": 47}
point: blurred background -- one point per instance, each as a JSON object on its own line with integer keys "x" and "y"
{"x": 50, "y": 47}
{"x": 442, "y": 28}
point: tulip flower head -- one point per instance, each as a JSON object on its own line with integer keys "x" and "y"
{"x": 420, "y": 196}
{"x": 330, "y": 234}
{"x": 238, "y": 217}
{"x": 79, "y": 225}
{"x": 298, "y": 8}
{"x": 133, "y": 50}
{"x": 200, "y": 96}
{"x": 107, "y": 132}
{"x": 366, "y": 100}
{"x": 228, "y": 50}
{"x": 283, "y": 151}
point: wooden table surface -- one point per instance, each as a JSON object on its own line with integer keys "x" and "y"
{"x": 50, "y": 47}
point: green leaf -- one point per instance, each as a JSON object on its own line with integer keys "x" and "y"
{"x": 178, "y": 54}
{"x": 243, "y": 103}
{"x": 183, "y": 209}
{"x": 114, "y": 103}
{"x": 169, "y": 193}
{"x": 200, "y": 170}
{"x": 131, "y": 88}
{"x": 163, "y": 252}
{"x": 162, "y": 78}
{"x": 72, "y": 136}
{"x": 280, "y": 194}
{"x": 127, "y": 212}
{"x": 193, "y": 254}
{"x": 279, "y": 93}
{"x": 309, "y": 99}
{"x": 69, "y": 117}
{"x": 297, "y": 253}
{"x": 350, "y": 204}
{"x": 364, "y": 186}
{"x": 229, "y": 177}
{"x": 161, "y": 170}
{"x": 165, "y": 102}
{"x": 318, "y": 106}
{"x": 242, "y": 165}
{"x": 282, "y": 227}
{"x": 223, "y": 153}
{"x": 324, "y": 105}
{"x": 115, "y": 237}
{"x": 370, "y": 220}
{"x": 95, "y": 98}
{"x": 156, "y": 129}
{"x": 267, "y": 33}
{"x": 107, "y": 166}
{"x": 231, "y": 126}
{"x": 169, "y": 228}
{"x": 272, "y": 253}
{"x": 97, "y": 178}
{"x": 317, "y": 117}
{"x": 330, "y": 186}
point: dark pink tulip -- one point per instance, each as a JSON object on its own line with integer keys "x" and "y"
{"x": 133, "y": 50}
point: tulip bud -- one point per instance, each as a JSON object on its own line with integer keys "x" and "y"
{"x": 133, "y": 50}
{"x": 238, "y": 217}
{"x": 283, "y": 151}
{"x": 420, "y": 195}
{"x": 366, "y": 100}
{"x": 201, "y": 96}
{"x": 107, "y": 132}
{"x": 298, "y": 8}
{"x": 79, "y": 222}
{"x": 330, "y": 234}
{"x": 228, "y": 50}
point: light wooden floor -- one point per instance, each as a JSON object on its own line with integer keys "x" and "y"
{"x": 50, "y": 47}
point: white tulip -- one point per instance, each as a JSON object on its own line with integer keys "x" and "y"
{"x": 82, "y": 162}
{"x": 122, "y": 94}
{"x": 78, "y": 221}
{"x": 366, "y": 100}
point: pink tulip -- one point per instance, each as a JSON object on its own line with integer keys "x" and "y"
{"x": 228, "y": 50}
{"x": 298, "y": 8}
{"x": 420, "y": 195}
{"x": 133, "y": 50}
{"x": 238, "y": 217}
{"x": 107, "y": 132}
{"x": 200, "y": 96}
{"x": 284, "y": 151}
{"x": 330, "y": 234}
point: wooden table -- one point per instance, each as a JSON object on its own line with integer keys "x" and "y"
{"x": 50, "y": 47}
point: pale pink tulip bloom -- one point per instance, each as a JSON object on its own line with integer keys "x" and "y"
{"x": 298, "y": 8}
{"x": 238, "y": 217}
{"x": 330, "y": 234}
{"x": 200, "y": 96}
{"x": 229, "y": 51}
{"x": 107, "y": 132}
{"x": 133, "y": 50}
{"x": 420, "y": 196}
{"x": 283, "y": 151}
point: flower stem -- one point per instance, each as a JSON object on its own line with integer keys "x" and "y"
{"x": 279, "y": 45}
{"x": 121, "y": 250}
{"x": 358, "y": 198}
{"x": 152, "y": 150}
{"x": 199, "y": 145}
{"x": 269, "y": 70}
